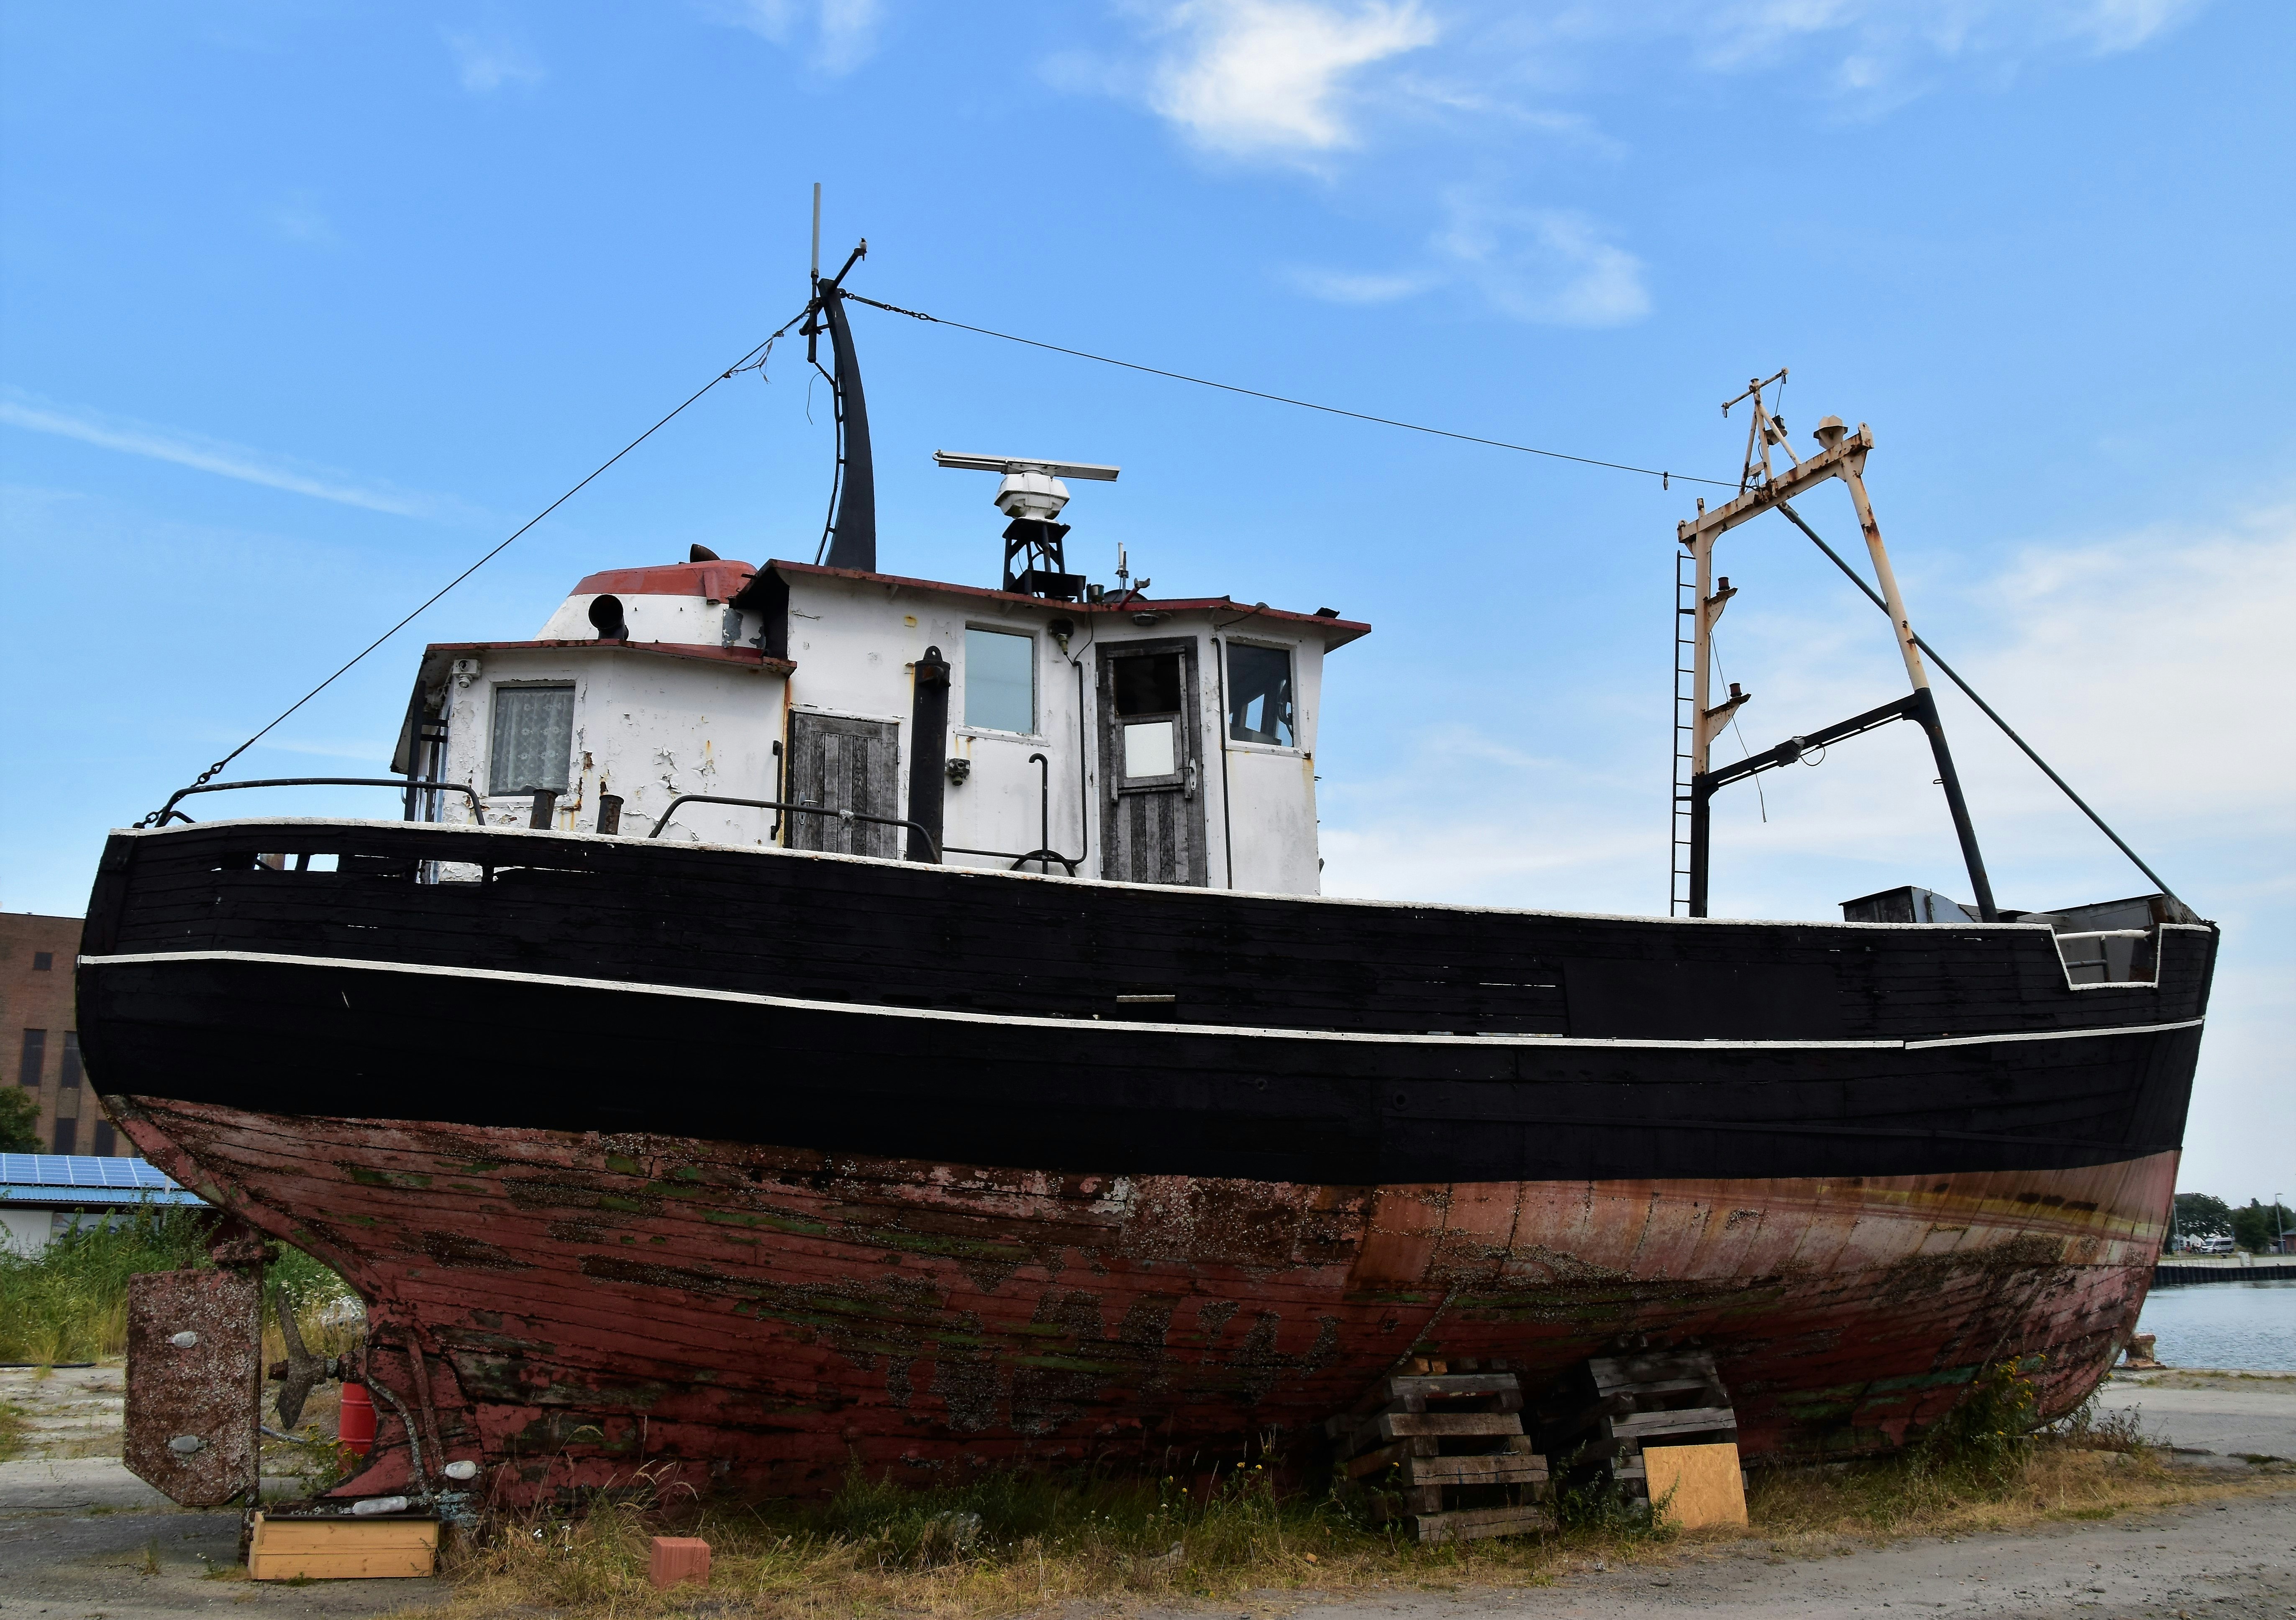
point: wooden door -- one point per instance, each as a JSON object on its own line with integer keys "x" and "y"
{"x": 842, "y": 764}
{"x": 1152, "y": 763}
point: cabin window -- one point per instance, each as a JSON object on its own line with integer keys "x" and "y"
{"x": 35, "y": 1059}
{"x": 1147, "y": 686}
{"x": 533, "y": 738}
{"x": 1000, "y": 681}
{"x": 68, "y": 1068}
{"x": 1260, "y": 694}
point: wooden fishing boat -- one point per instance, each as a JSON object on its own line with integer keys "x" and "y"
{"x": 700, "y": 1079}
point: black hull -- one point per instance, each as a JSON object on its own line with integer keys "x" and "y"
{"x": 888, "y": 1010}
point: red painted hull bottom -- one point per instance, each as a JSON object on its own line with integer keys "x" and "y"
{"x": 757, "y": 1319}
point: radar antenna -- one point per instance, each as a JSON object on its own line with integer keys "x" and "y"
{"x": 1032, "y": 495}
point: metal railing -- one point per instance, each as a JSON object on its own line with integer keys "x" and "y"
{"x": 401, "y": 783}
{"x": 846, "y": 816}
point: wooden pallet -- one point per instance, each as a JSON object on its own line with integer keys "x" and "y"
{"x": 1447, "y": 1452}
{"x": 1597, "y": 1420}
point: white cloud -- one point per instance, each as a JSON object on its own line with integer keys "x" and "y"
{"x": 26, "y": 411}
{"x": 1356, "y": 287}
{"x": 1548, "y": 266}
{"x": 2139, "y": 665}
{"x": 486, "y": 62}
{"x": 1543, "y": 265}
{"x": 1891, "y": 49}
{"x": 1251, "y": 78}
{"x": 839, "y": 34}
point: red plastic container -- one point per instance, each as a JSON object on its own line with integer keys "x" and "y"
{"x": 356, "y": 1432}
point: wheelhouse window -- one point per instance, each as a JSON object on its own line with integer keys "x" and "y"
{"x": 1260, "y": 694}
{"x": 533, "y": 738}
{"x": 1000, "y": 681}
{"x": 1148, "y": 714}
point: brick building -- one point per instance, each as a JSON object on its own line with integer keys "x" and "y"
{"x": 39, "y": 1034}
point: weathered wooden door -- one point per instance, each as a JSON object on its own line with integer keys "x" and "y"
{"x": 842, "y": 764}
{"x": 1152, "y": 763}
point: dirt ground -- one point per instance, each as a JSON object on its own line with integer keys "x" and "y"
{"x": 79, "y": 1536}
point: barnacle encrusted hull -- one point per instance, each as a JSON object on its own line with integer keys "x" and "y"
{"x": 750, "y": 1318}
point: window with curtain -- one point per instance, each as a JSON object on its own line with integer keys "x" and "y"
{"x": 533, "y": 738}
{"x": 1260, "y": 694}
{"x": 1000, "y": 681}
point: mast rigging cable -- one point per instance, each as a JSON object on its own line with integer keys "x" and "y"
{"x": 1970, "y": 692}
{"x": 1660, "y": 473}
{"x": 755, "y": 360}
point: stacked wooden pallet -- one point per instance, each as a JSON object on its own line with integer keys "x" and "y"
{"x": 1597, "y": 1419}
{"x": 1446, "y": 1452}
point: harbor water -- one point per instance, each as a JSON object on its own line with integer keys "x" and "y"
{"x": 2247, "y": 1326}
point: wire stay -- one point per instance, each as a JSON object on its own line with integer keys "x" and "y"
{"x": 1970, "y": 692}
{"x": 753, "y": 361}
{"x": 1662, "y": 475}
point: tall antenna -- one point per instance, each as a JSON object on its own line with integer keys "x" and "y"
{"x": 815, "y": 273}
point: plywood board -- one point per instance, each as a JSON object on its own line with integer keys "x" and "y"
{"x": 1706, "y": 1485}
{"x": 342, "y": 1548}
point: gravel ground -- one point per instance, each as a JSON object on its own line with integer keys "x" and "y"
{"x": 2232, "y": 1560}
{"x": 80, "y": 1536}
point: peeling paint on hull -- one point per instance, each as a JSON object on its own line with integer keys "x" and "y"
{"x": 756, "y": 1319}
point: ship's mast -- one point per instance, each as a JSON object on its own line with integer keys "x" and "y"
{"x": 849, "y": 536}
{"x": 1841, "y": 454}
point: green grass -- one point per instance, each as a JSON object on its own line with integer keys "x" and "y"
{"x": 12, "y": 1429}
{"x": 70, "y": 1302}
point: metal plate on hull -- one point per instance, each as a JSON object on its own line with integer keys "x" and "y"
{"x": 195, "y": 1366}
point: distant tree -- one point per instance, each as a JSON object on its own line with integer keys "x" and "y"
{"x": 2198, "y": 1215}
{"x": 20, "y": 1115}
{"x": 2257, "y": 1228}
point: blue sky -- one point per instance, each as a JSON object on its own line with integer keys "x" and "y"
{"x": 308, "y": 304}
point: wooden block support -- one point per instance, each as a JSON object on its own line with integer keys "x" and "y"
{"x": 342, "y": 1548}
{"x": 1707, "y": 1485}
{"x": 1472, "y": 1523}
{"x": 1396, "y": 1426}
{"x": 1505, "y": 1468}
{"x": 677, "y": 1559}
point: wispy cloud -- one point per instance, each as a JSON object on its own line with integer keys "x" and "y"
{"x": 487, "y": 62}
{"x": 28, "y": 411}
{"x": 837, "y": 36}
{"x": 301, "y": 219}
{"x": 1275, "y": 78}
{"x": 1548, "y": 266}
{"x": 1359, "y": 287}
{"x": 1889, "y": 51}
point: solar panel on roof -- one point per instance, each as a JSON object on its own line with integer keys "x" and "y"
{"x": 79, "y": 1170}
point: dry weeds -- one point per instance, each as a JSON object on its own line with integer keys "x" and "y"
{"x": 1127, "y": 1547}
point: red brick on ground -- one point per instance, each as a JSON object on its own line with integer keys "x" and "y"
{"x": 678, "y": 1557}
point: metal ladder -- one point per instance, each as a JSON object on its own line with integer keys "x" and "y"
{"x": 1685, "y": 714}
